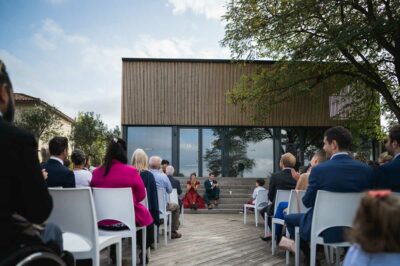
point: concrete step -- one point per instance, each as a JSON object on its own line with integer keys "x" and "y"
{"x": 227, "y": 186}
{"x": 226, "y": 191}
{"x": 213, "y": 211}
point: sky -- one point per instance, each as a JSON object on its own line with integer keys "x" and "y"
{"x": 68, "y": 52}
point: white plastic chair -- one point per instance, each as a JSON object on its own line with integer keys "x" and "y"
{"x": 164, "y": 214}
{"x": 261, "y": 202}
{"x": 117, "y": 204}
{"x": 332, "y": 209}
{"x": 74, "y": 212}
{"x": 281, "y": 195}
{"x": 295, "y": 205}
{"x": 173, "y": 198}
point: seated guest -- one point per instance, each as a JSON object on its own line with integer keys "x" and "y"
{"x": 388, "y": 174}
{"x": 375, "y": 233}
{"x": 162, "y": 181}
{"x": 302, "y": 184}
{"x": 115, "y": 173}
{"x": 211, "y": 195}
{"x": 192, "y": 199}
{"x": 282, "y": 180}
{"x": 384, "y": 157}
{"x": 259, "y": 186}
{"x": 169, "y": 171}
{"x": 24, "y": 197}
{"x": 140, "y": 162}
{"x": 164, "y": 164}
{"x": 58, "y": 174}
{"x": 339, "y": 174}
{"x": 82, "y": 175}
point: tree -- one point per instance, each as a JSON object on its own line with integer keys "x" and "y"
{"x": 42, "y": 122}
{"x": 352, "y": 43}
{"x": 237, "y": 140}
{"x": 90, "y": 134}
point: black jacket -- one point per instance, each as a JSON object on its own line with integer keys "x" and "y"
{"x": 22, "y": 187}
{"x": 152, "y": 198}
{"x": 175, "y": 184}
{"x": 282, "y": 180}
{"x": 59, "y": 175}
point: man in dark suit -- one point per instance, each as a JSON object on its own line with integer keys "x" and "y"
{"x": 169, "y": 171}
{"x": 340, "y": 174}
{"x": 388, "y": 174}
{"x": 58, "y": 174}
{"x": 211, "y": 195}
{"x": 23, "y": 191}
{"x": 282, "y": 180}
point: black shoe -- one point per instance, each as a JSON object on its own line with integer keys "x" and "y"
{"x": 141, "y": 259}
{"x": 266, "y": 239}
{"x": 195, "y": 207}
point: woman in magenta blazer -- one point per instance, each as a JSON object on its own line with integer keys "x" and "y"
{"x": 115, "y": 173}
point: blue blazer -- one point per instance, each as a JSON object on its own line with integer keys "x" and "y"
{"x": 340, "y": 174}
{"x": 388, "y": 175}
{"x": 59, "y": 175}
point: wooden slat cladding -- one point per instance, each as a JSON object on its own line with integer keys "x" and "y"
{"x": 193, "y": 93}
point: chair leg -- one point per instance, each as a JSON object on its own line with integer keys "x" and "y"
{"x": 244, "y": 215}
{"x": 133, "y": 250}
{"x": 183, "y": 216}
{"x": 328, "y": 254}
{"x": 155, "y": 236}
{"x": 273, "y": 238}
{"x": 287, "y": 257}
{"x": 118, "y": 250}
{"x": 144, "y": 236}
{"x": 297, "y": 244}
{"x": 337, "y": 257}
{"x": 256, "y": 216}
{"x": 165, "y": 229}
{"x": 313, "y": 253}
{"x": 170, "y": 227}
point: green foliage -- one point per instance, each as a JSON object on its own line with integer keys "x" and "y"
{"x": 42, "y": 122}
{"x": 90, "y": 134}
{"x": 347, "y": 43}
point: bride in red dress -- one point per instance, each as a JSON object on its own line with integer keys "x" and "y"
{"x": 192, "y": 199}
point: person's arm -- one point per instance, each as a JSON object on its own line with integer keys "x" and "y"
{"x": 272, "y": 189}
{"x": 35, "y": 202}
{"x": 207, "y": 186}
{"x": 139, "y": 190}
{"x": 312, "y": 189}
{"x": 179, "y": 189}
{"x": 196, "y": 186}
{"x": 302, "y": 183}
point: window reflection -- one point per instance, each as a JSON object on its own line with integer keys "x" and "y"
{"x": 153, "y": 140}
{"x": 188, "y": 151}
{"x": 212, "y": 146}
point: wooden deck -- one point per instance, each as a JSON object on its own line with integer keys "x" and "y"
{"x": 218, "y": 239}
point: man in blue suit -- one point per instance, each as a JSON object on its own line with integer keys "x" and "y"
{"x": 388, "y": 175}
{"x": 58, "y": 174}
{"x": 340, "y": 174}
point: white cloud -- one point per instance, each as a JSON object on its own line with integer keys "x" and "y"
{"x": 76, "y": 74}
{"x": 212, "y": 9}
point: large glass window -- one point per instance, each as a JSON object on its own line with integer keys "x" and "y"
{"x": 153, "y": 140}
{"x": 188, "y": 151}
{"x": 250, "y": 152}
{"x": 212, "y": 147}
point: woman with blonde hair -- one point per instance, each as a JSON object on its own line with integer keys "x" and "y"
{"x": 140, "y": 162}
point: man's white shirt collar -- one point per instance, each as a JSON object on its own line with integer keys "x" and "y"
{"x": 58, "y": 159}
{"x": 1, "y": 114}
{"x": 339, "y": 153}
{"x": 396, "y": 156}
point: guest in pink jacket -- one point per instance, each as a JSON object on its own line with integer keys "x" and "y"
{"x": 115, "y": 173}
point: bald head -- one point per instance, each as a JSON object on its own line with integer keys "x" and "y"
{"x": 155, "y": 162}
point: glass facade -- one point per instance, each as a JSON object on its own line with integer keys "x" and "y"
{"x": 226, "y": 151}
{"x": 153, "y": 140}
{"x": 188, "y": 151}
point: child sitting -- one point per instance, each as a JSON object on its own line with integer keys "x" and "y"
{"x": 376, "y": 231}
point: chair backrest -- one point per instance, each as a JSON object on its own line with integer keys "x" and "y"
{"x": 145, "y": 201}
{"x": 162, "y": 205}
{"x": 296, "y": 202}
{"x": 333, "y": 209}
{"x": 74, "y": 212}
{"x": 261, "y": 199}
{"x": 281, "y": 195}
{"x": 173, "y": 197}
{"x": 115, "y": 204}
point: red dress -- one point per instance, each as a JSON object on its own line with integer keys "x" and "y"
{"x": 193, "y": 197}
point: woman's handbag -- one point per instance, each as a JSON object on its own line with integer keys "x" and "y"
{"x": 287, "y": 244}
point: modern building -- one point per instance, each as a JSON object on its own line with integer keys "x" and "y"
{"x": 178, "y": 109}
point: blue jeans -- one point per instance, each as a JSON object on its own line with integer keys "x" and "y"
{"x": 280, "y": 215}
